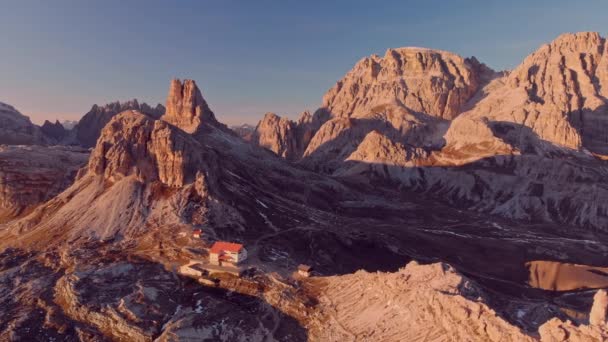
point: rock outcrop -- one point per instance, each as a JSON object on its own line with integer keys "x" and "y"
{"x": 285, "y": 137}
{"x": 31, "y": 175}
{"x": 437, "y": 83}
{"x": 278, "y": 135}
{"x": 430, "y": 303}
{"x": 17, "y": 129}
{"x": 133, "y": 144}
{"x": 558, "y": 95}
{"x": 186, "y": 107}
{"x": 556, "y": 330}
{"x": 54, "y": 130}
{"x": 417, "y": 303}
{"x": 89, "y": 127}
{"x": 515, "y": 144}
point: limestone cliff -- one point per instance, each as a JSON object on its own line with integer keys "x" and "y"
{"x": 89, "y": 127}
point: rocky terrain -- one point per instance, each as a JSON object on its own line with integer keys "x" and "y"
{"x": 31, "y": 175}
{"x": 87, "y": 130}
{"x": 429, "y": 207}
{"x": 54, "y": 130}
{"x": 17, "y": 129}
{"x": 439, "y": 304}
{"x": 521, "y": 144}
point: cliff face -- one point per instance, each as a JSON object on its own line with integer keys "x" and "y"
{"x": 287, "y": 138}
{"x": 452, "y": 128}
{"x": 133, "y": 144}
{"x": 434, "y": 82}
{"x": 17, "y": 129}
{"x": 557, "y": 95}
{"x": 31, "y": 175}
{"x": 186, "y": 107}
{"x": 89, "y": 127}
{"x": 278, "y": 135}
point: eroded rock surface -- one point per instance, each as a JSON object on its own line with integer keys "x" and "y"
{"x": 434, "y": 82}
{"x": 89, "y": 127}
{"x": 278, "y": 135}
{"x": 31, "y": 175}
{"x": 417, "y": 303}
{"x": 186, "y": 107}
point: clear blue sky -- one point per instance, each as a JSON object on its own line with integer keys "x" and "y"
{"x": 59, "y": 57}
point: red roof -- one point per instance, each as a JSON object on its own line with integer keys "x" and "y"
{"x": 220, "y": 246}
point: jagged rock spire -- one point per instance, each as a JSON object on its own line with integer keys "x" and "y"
{"x": 186, "y": 107}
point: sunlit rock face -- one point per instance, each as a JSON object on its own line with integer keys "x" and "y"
{"x": 518, "y": 144}
{"x": 152, "y": 150}
{"x": 434, "y": 82}
{"x": 278, "y": 135}
{"x": 186, "y": 107}
{"x": 89, "y": 127}
{"x": 558, "y": 95}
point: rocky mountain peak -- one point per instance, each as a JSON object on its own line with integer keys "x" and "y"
{"x": 54, "y": 130}
{"x": 17, "y": 129}
{"x": 90, "y": 125}
{"x": 557, "y": 94}
{"x": 133, "y": 144}
{"x": 186, "y": 107}
{"x": 434, "y": 82}
{"x": 276, "y": 134}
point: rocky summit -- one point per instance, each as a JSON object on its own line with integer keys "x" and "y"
{"x": 429, "y": 198}
{"x": 513, "y": 143}
{"x": 88, "y": 129}
{"x": 186, "y": 107}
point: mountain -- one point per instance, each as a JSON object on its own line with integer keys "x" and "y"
{"x": 31, "y": 175}
{"x": 422, "y": 219}
{"x": 17, "y": 129}
{"x": 278, "y": 135}
{"x": 520, "y": 144}
{"x": 54, "y": 130}
{"x": 285, "y": 137}
{"x": 69, "y": 124}
{"x": 101, "y": 252}
{"x": 140, "y": 160}
{"x": 88, "y": 128}
{"x": 244, "y": 131}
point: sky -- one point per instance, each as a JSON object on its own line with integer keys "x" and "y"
{"x": 249, "y": 57}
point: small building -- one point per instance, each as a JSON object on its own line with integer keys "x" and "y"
{"x": 304, "y": 270}
{"x": 228, "y": 254}
{"x": 197, "y": 233}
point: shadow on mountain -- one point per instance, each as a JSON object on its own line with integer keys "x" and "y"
{"x": 591, "y": 124}
{"x": 546, "y": 189}
{"x": 416, "y": 127}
